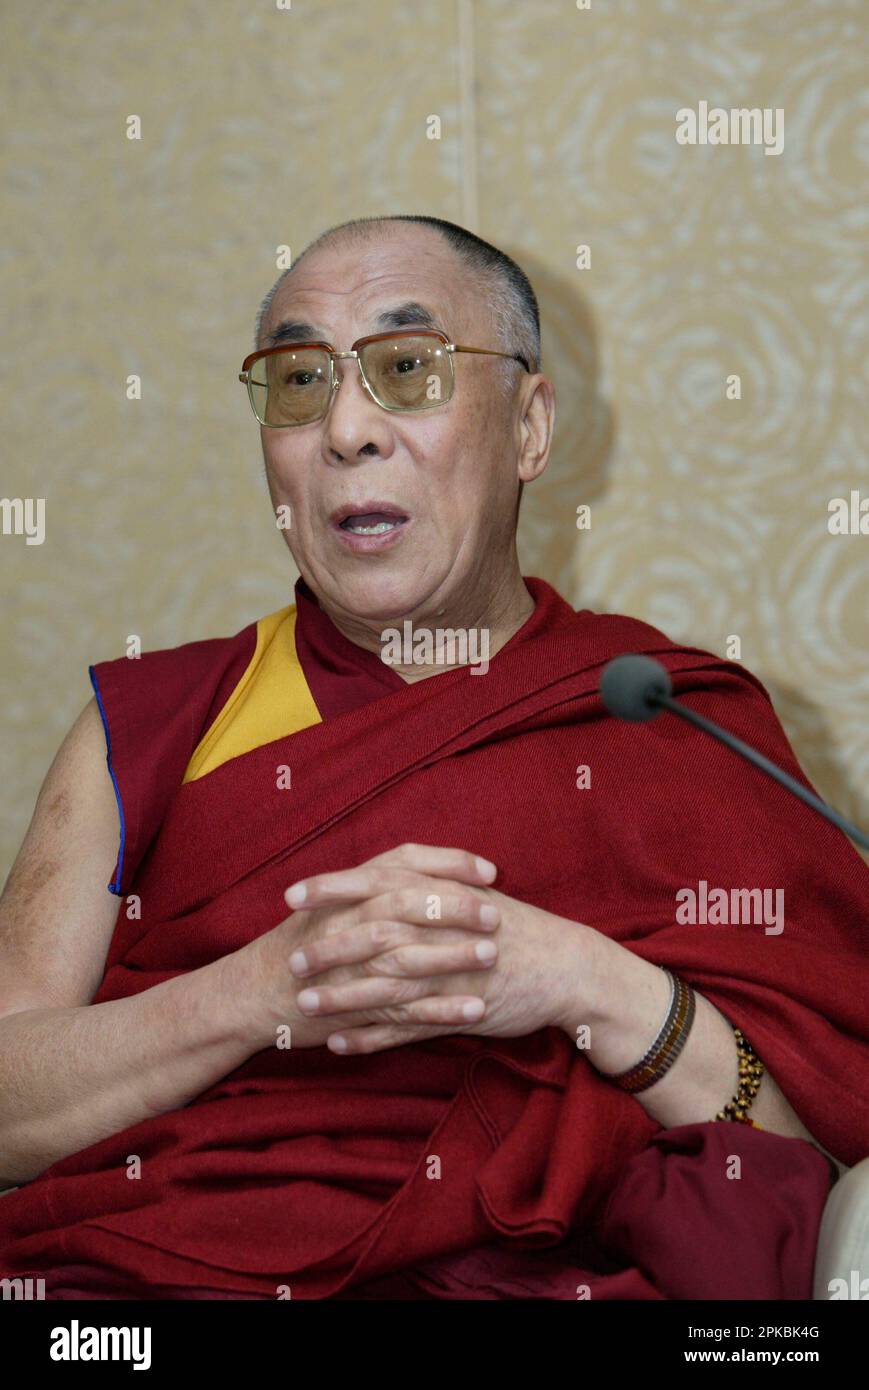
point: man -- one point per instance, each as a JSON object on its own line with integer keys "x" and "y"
{"x": 451, "y": 1050}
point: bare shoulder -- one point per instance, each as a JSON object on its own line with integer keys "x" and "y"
{"x": 56, "y": 913}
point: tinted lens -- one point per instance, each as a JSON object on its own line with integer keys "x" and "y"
{"x": 290, "y": 387}
{"x": 408, "y": 373}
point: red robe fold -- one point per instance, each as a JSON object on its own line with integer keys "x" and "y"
{"x": 305, "y": 1169}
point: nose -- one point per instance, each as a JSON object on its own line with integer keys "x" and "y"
{"x": 355, "y": 424}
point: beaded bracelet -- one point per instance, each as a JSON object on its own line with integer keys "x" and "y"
{"x": 751, "y": 1071}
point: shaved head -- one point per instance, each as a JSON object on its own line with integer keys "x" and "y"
{"x": 500, "y": 283}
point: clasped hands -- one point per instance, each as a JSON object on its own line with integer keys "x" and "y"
{"x": 415, "y": 943}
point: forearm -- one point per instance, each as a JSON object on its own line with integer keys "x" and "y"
{"x": 633, "y": 996}
{"x": 71, "y": 1076}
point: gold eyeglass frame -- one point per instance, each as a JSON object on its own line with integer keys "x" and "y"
{"x": 334, "y": 381}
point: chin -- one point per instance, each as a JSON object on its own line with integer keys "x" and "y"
{"x": 384, "y": 593}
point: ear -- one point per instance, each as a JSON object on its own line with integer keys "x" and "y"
{"x": 536, "y": 423}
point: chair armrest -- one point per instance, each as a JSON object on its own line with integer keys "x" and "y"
{"x": 843, "y": 1239}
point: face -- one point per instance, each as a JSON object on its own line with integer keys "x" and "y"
{"x": 451, "y": 470}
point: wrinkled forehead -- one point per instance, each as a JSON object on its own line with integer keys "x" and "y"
{"x": 347, "y": 292}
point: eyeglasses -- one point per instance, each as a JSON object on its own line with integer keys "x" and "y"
{"x": 293, "y": 384}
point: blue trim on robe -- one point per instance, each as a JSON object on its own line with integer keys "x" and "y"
{"x": 115, "y": 886}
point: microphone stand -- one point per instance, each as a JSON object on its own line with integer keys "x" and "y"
{"x": 777, "y": 773}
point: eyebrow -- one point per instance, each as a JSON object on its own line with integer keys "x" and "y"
{"x": 411, "y": 314}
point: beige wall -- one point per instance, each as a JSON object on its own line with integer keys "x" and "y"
{"x": 259, "y": 128}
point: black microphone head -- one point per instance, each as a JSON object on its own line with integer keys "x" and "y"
{"x": 630, "y": 683}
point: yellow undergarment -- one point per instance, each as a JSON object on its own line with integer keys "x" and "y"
{"x": 271, "y": 700}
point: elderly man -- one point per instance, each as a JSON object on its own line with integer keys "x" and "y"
{"x": 484, "y": 1026}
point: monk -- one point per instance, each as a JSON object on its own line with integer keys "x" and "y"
{"x": 347, "y": 956}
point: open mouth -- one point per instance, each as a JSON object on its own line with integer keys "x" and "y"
{"x": 371, "y": 523}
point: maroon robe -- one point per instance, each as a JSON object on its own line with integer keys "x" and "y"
{"x": 305, "y": 1169}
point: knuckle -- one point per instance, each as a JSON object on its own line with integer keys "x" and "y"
{"x": 395, "y": 1035}
{"x": 391, "y": 989}
{"x": 466, "y": 907}
{"x": 317, "y": 958}
{"x": 408, "y": 1010}
{"x": 324, "y": 953}
{"x": 403, "y": 990}
{"x": 405, "y": 960}
{"x": 400, "y": 1013}
{"x": 401, "y": 899}
{"x": 331, "y": 922}
{"x": 391, "y": 963}
{"x": 435, "y": 1011}
{"x": 380, "y": 1015}
{"x": 381, "y": 933}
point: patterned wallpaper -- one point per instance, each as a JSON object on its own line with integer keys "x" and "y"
{"x": 704, "y": 310}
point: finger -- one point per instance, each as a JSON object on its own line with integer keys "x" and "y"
{"x": 426, "y": 904}
{"x": 357, "y": 996}
{"x": 390, "y": 920}
{"x": 400, "y": 999}
{"x": 440, "y": 861}
{"x": 389, "y": 870}
{"x": 422, "y": 901}
{"x": 379, "y": 1037}
{"x": 374, "y": 1037}
{"x": 349, "y": 947}
{"x": 386, "y": 943}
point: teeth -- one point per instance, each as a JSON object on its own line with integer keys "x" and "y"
{"x": 372, "y": 530}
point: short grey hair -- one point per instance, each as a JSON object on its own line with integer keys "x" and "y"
{"x": 503, "y": 284}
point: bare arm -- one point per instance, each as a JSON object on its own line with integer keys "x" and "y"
{"x": 72, "y": 1072}
{"x": 704, "y": 1076}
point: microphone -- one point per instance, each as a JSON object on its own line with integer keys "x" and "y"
{"x": 636, "y": 688}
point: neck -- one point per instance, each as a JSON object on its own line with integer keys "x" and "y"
{"x": 480, "y": 624}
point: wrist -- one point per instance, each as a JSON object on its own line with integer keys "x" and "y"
{"x": 643, "y": 998}
{"x": 622, "y": 1010}
{"x": 584, "y": 972}
{"x": 260, "y": 990}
